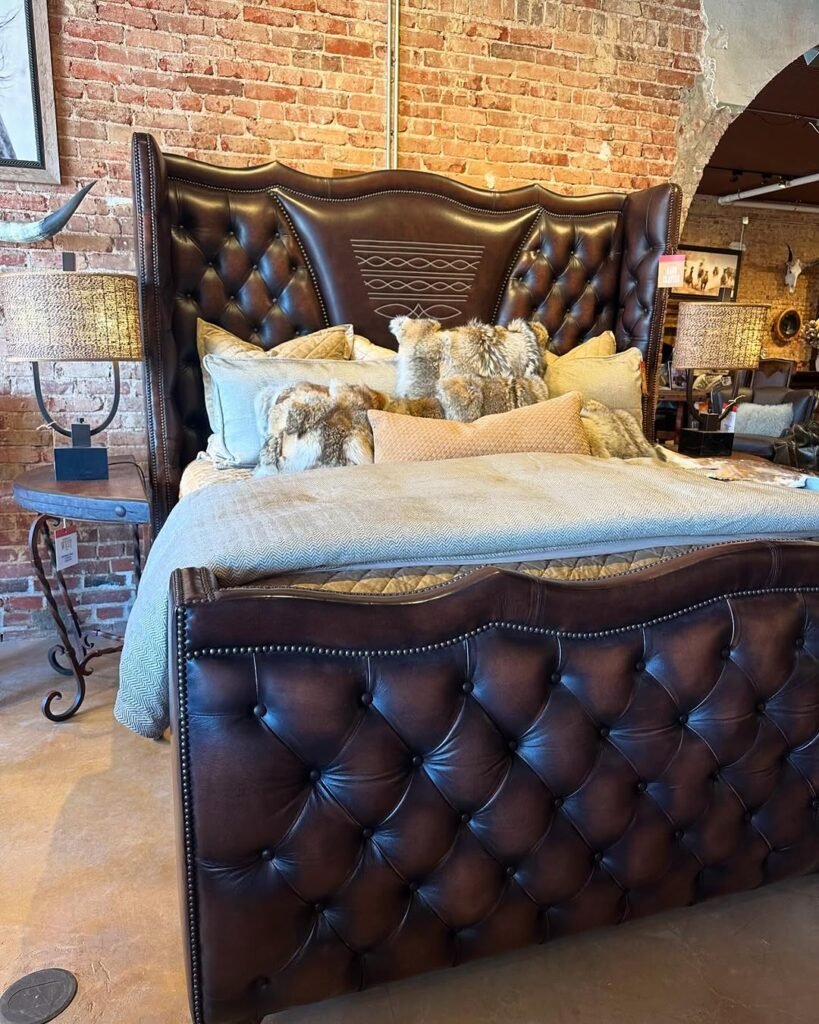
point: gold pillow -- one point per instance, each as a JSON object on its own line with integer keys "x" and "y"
{"x": 552, "y": 426}
{"x": 616, "y": 381}
{"x": 602, "y": 345}
{"x": 211, "y": 340}
{"x": 329, "y": 343}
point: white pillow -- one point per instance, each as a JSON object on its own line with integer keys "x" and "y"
{"x": 763, "y": 420}
{"x": 364, "y": 350}
{"x": 235, "y": 384}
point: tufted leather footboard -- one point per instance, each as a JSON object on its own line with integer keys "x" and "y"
{"x": 369, "y": 788}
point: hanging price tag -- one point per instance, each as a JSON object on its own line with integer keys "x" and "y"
{"x": 65, "y": 547}
{"x": 672, "y": 269}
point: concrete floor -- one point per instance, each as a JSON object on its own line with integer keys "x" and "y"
{"x": 87, "y": 882}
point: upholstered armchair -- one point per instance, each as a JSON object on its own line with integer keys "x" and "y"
{"x": 777, "y": 449}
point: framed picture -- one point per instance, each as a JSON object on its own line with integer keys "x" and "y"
{"x": 28, "y": 126}
{"x": 710, "y": 274}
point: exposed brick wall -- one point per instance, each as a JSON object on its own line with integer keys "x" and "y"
{"x": 762, "y": 272}
{"x": 581, "y": 96}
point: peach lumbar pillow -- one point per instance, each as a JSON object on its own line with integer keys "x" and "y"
{"x": 552, "y": 426}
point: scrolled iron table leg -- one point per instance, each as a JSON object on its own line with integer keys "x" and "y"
{"x": 65, "y": 649}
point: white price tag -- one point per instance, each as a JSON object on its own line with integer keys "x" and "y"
{"x": 65, "y": 548}
{"x": 672, "y": 271}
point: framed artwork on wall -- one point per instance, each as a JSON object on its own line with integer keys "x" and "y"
{"x": 711, "y": 274}
{"x": 28, "y": 125}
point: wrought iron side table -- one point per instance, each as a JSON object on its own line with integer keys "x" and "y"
{"x": 122, "y": 498}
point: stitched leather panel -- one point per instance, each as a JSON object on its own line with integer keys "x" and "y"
{"x": 356, "y": 819}
{"x": 406, "y": 253}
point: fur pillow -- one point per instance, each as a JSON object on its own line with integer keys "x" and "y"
{"x": 426, "y": 352}
{"x": 310, "y": 426}
{"x": 614, "y": 433}
{"x": 470, "y": 397}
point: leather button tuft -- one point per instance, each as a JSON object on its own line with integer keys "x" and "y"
{"x": 366, "y": 698}
{"x": 683, "y": 719}
{"x": 319, "y": 908}
{"x": 679, "y": 834}
{"x": 641, "y": 787}
{"x": 556, "y": 678}
{"x": 267, "y": 855}
{"x": 260, "y": 983}
{"x": 314, "y": 775}
{"x": 466, "y": 818}
{"x": 513, "y": 745}
{"x": 604, "y": 731}
{"x": 725, "y": 653}
{"x": 760, "y": 707}
{"x": 800, "y": 641}
{"x": 413, "y": 887}
{"x": 366, "y": 833}
{"x": 715, "y": 776}
{"x": 468, "y": 687}
{"x": 747, "y": 816}
{"x": 640, "y": 666}
{"x": 815, "y": 803}
{"x": 260, "y": 711}
{"x": 417, "y": 761}
{"x": 558, "y": 802}
{"x": 597, "y": 857}
{"x": 510, "y": 871}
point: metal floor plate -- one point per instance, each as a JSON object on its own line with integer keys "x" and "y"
{"x": 38, "y": 998}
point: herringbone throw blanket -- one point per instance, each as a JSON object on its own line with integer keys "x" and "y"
{"x": 491, "y": 509}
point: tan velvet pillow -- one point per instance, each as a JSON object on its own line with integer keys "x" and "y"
{"x": 552, "y": 426}
{"x": 602, "y": 345}
{"x": 616, "y": 381}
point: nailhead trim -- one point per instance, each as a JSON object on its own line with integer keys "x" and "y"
{"x": 515, "y": 627}
{"x": 191, "y": 902}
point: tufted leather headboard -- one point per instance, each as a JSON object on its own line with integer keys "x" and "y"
{"x": 270, "y": 253}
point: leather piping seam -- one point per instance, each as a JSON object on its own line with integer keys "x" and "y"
{"x": 191, "y": 895}
{"x": 284, "y": 190}
{"x": 304, "y": 256}
{"x": 516, "y": 627}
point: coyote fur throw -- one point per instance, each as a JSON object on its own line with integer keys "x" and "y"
{"x": 309, "y": 426}
{"x": 615, "y": 434}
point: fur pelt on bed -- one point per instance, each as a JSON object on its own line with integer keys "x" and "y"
{"x": 615, "y": 434}
{"x": 309, "y": 426}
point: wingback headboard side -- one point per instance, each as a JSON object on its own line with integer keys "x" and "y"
{"x": 270, "y": 253}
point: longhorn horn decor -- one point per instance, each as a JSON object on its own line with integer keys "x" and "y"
{"x": 41, "y": 230}
{"x": 790, "y": 255}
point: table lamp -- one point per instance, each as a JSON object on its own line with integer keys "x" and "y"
{"x": 716, "y": 336}
{"x": 57, "y": 316}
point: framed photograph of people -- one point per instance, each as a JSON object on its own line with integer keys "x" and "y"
{"x": 28, "y": 126}
{"x": 709, "y": 274}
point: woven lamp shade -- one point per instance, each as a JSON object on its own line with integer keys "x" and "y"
{"x": 70, "y": 316}
{"x": 720, "y": 335}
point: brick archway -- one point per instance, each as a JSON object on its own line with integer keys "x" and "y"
{"x": 739, "y": 59}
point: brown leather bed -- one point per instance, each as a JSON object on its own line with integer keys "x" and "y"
{"x": 372, "y": 787}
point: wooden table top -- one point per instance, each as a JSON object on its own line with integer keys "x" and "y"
{"x": 119, "y": 499}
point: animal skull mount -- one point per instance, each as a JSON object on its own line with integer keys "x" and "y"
{"x": 794, "y": 268}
